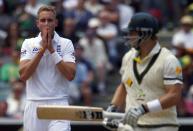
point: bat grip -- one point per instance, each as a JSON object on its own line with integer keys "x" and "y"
{"x": 113, "y": 115}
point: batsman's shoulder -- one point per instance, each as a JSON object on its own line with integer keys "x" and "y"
{"x": 129, "y": 54}
{"x": 169, "y": 54}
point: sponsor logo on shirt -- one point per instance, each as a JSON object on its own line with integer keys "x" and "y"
{"x": 73, "y": 55}
{"x": 58, "y": 49}
{"x": 23, "y": 52}
{"x": 35, "y": 50}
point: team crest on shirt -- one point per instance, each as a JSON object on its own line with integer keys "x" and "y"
{"x": 178, "y": 70}
{"x": 129, "y": 82}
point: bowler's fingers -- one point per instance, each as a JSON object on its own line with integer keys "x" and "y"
{"x": 49, "y": 36}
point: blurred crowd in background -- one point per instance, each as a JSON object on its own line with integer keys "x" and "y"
{"x": 94, "y": 26}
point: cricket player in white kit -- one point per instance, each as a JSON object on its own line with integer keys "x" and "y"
{"x": 47, "y": 64}
{"x": 151, "y": 80}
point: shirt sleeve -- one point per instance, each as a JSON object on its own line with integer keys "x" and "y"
{"x": 26, "y": 52}
{"x": 172, "y": 71}
{"x": 69, "y": 54}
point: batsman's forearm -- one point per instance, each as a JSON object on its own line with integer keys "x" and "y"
{"x": 68, "y": 69}
{"x": 171, "y": 98}
{"x": 119, "y": 96}
{"x": 28, "y": 68}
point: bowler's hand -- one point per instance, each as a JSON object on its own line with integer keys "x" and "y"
{"x": 132, "y": 115}
{"x": 50, "y": 45}
{"x": 44, "y": 42}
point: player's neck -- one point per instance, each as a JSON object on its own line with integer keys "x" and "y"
{"x": 145, "y": 50}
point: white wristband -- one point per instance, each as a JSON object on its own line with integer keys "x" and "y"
{"x": 154, "y": 106}
{"x": 56, "y": 58}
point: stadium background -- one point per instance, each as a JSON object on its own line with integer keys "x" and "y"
{"x": 17, "y": 22}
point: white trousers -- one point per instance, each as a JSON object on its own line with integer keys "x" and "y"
{"x": 32, "y": 123}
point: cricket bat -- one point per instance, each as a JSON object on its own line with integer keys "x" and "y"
{"x": 75, "y": 113}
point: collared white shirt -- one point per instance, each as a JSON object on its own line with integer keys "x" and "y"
{"x": 47, "y": 82}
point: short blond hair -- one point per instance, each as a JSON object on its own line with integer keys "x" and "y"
{"x": 47, "y": 8}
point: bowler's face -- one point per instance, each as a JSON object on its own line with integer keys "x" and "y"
{"x": 46, "y": 19}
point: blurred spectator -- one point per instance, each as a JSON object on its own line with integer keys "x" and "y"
{"x": 81, "y": 59}
{"x": 12, "y": 38}
{"x": 122, "y": 13}
{"x": 70, "y": 4}
{"x": 32, "y": 7}
{"x": 188, "y": 103}
{"x": 94, "y": 52}
{"x": 110, "y": 6}
{"x": 16, "y": 100}
{"x": 3, "y": 109}
{"x": 183, "y": 44}
{"x": 69, "y": 30}
{"x": 184, "y": 37}
{"x": 93, "y": 6}
{"x": 108, "y": 32}
{"x": 1, "y": 6}
{"x": 81, "y": 16}
{"x": 169, "y": 10}
{"x": 9, "y": 72}
{"x": 26, "y": 23}
{"x": 5, "y": 20}
{"x": 80, "y": 87}
{"x": 189, "y": 9}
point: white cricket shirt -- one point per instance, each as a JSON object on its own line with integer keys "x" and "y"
{"x": 47, "y": 82}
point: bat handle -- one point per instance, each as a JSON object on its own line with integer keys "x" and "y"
{"x": 113, "y": 115}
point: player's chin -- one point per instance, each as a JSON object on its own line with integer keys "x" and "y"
{"x": 133, "y": 45}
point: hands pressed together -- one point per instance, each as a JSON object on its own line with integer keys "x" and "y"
{"x": 46, "y": 42}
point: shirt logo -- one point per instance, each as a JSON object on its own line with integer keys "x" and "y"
{"x": 58, "y": 49}
{"x": 129, "y": 82}
{"x": 35, "y": 50}
{"x": 73, "y": 55}
{"x": 23, "y": 52}
{"x": 178, "y": 70}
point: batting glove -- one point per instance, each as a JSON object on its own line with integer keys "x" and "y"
{"x": 112, "y": 108}
{"x": 125, "y": 127}
{"x": 111, "y": 124}
{"x": 132, "y": 115}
